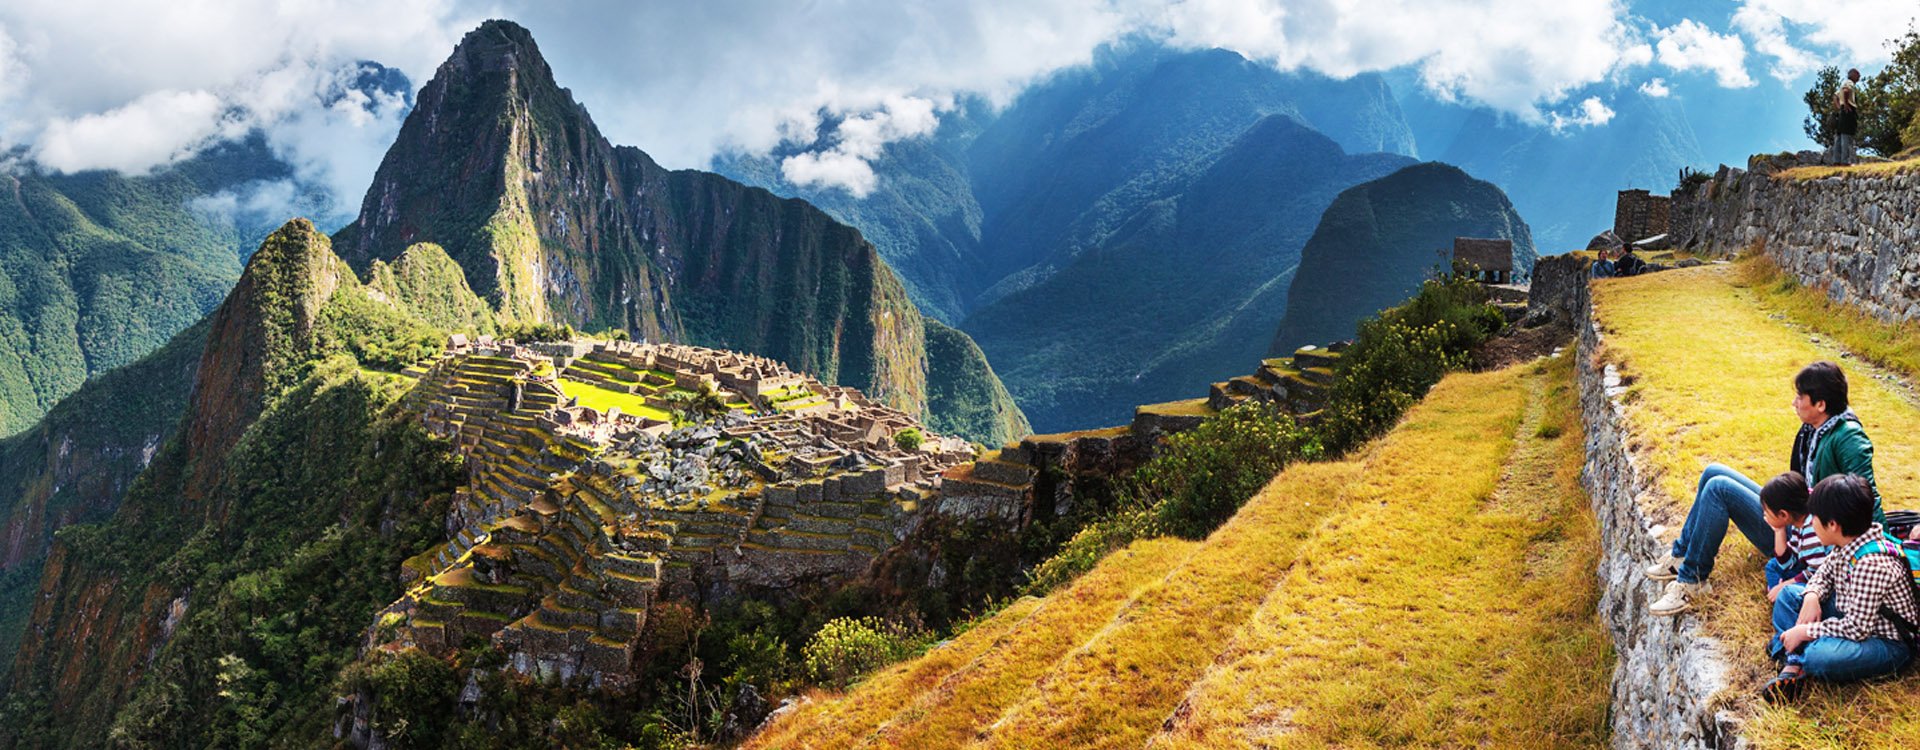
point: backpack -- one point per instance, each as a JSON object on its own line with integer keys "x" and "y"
{"x": 1908, "y": 552}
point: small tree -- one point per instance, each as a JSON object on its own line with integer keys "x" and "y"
{"x": 909, "y": 439}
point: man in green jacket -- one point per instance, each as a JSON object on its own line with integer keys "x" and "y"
{"x": 1830, "y": 442}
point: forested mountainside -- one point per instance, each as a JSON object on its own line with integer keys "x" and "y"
{"x": 102, "y": 268}
{"x": 1011, "y": 223}
{"x": 550, "y": 222}
{"x": 284, "y": 426}
{"x": 1381, "y": 238}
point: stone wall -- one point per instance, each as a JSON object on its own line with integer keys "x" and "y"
{"x": 1667, "y": 672}
{"x": 1638, "y": 214}
{"x": 1848, "y": 235}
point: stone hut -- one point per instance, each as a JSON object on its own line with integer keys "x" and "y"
{"x": 1638, "y": 214}
{"x": 1492, "y": 257}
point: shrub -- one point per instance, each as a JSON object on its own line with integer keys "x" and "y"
{"x": 1401, "y": 353}
{"x": 1203, "y": 475}
{"x": 848, "y": 647}
{"x": 909, "y": 439}
{"x": 536, "y": 332}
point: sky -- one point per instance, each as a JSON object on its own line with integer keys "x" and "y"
{"x": 134, "y": 86}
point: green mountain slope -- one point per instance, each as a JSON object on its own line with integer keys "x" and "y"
{"x": 154, "y": 615}
{"x": 550, "y": 222}
{"x": 1380, "y": 239}
{"x": 102, "y": 268}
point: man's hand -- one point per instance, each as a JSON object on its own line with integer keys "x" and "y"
{"x": 1809, "y": 611}
{"x": 1915, "y": 533}
{"x": 1795, "y": 637}
{"x": 1773, "y": 594}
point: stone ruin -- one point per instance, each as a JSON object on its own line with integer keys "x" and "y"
{"x": 1639, "y": 215}
{"x": 1490, "y": 259}
{"x": 574, "y": 521}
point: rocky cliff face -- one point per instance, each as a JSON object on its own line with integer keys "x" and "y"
{"x": 552, "y": 223}
{"x": 1378, "y": 240}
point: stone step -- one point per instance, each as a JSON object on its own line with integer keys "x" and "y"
{"x": 1001, "y": 472}
{"x": 1313, "y": 356}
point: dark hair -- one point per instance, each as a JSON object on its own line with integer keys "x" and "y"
{"x": 1786, "y": 493}
{"x": 1823, "y": 381}
{"x": 1844, "y": 499}
{"x": 1853, "y": 73}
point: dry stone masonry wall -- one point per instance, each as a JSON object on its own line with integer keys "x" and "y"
{"x": 1667, "y": 672}
{"x": 1852, "y": 235}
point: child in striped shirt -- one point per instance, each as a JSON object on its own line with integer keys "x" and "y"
{"x": 1797, "y": 551}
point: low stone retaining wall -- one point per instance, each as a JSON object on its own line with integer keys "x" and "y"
{"x": 1852, "y": 236}
{"x": 1667, "y": 672}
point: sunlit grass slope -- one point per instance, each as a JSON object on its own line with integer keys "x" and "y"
{"x": 1459, "y": 617}
{"x": 1711, "y": 354}
{"x": 1402, "y": 564}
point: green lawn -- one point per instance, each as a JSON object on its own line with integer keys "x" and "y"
{"x": 595, "y": 397}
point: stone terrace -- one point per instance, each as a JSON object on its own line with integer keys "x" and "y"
{"x": 575, "y": 521}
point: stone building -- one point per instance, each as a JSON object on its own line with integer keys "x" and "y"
{"x": 1492, "y": 258}
{"x": 1638, "y": 215}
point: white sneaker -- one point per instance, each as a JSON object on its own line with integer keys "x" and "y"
{"x": 1666, "y": 570}
{"x": 1677, "y": 598}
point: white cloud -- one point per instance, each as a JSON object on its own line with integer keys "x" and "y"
{"x": 1656, "y": 88}
{"x": 1590, "y": 112}
{"x": 93, "y": 84}
{"x": 685, "y": 80}
{"x": 1690, "y": 45}
{"x": 858, "y": 140}
{"x": 154, "y": 129}
{"x": 1517, "y": 56}
{"x": 1802, "y": 35}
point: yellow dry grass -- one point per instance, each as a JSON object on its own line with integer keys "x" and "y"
{"x": 1711, "y": 352}
{"x": 1023, "y": 632}
{"x": 1868, "y": 168}
{"x": 1400, "y": 597}
{"x": 1119, "y": 687}
{"x": 1458, "y": 616}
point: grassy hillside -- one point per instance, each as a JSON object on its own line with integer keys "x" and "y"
{"x": 1311, "y": 619}
{"x": 1724, "y": 398}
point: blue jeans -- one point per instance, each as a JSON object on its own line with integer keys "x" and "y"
{"x": 1834, "y": 659}
{"x": 1777, "y": 572}
{"x": 1722, "y": 495}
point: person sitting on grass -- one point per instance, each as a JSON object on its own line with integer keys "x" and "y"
{"x": 1830, "y": 442}
{"x": 1797, "y": 550}
{"x": 1842, "y": 624}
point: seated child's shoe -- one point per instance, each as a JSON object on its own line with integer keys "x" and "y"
{"x": 1785, "y": 687}
{"x": 1677, "y": 598}
{"x": 1667, "y": 569}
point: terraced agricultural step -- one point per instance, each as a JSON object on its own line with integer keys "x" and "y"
{"x": 1313, "y": 356}
{"x": 1001, "y": 472}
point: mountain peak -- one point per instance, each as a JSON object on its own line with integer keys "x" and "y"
{"x": 497, "y": 45}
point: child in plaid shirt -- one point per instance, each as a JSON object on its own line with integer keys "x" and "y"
{"x": 1836, "y": 627}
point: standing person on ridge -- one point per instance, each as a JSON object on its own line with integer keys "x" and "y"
{"x": 1846, "y": 115}
{"x": 1830, "y": 442}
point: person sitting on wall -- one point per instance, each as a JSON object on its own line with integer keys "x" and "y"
{"x": 1629, "y": 264}
{"x": 1830, "y": 442}
{"x": 1854, "y": 619}
{"x": 1603, "y": 268}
